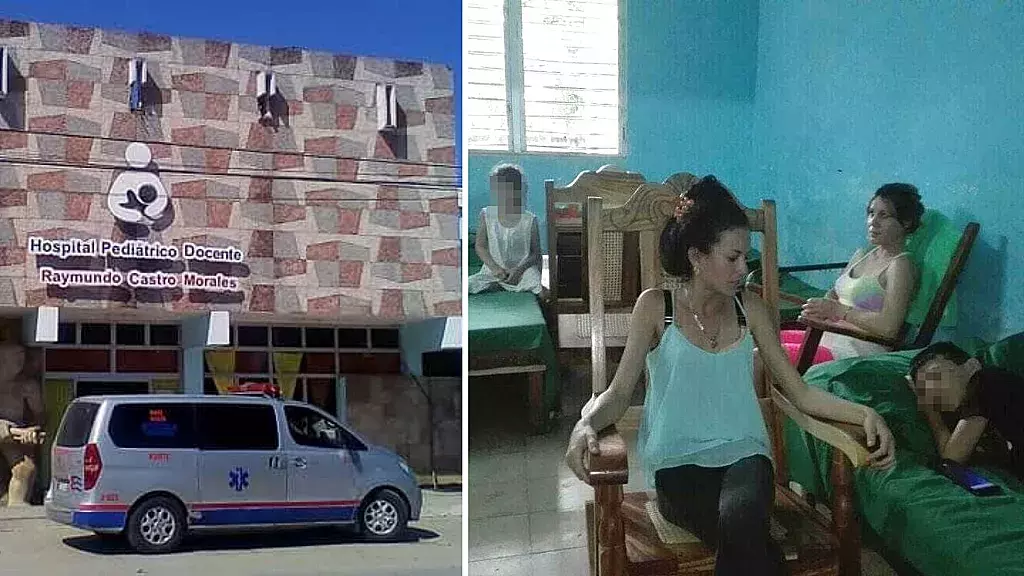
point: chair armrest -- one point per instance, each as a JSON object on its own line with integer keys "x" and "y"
{"x": 610, "y": 465}
{"x": 812, "y": 267}
{"x": 792, "y": 298}
{"x": 847, "y": 329}
{"x": 848, "y": 438}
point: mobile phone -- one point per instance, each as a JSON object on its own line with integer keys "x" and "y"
{"x": 968, "y": 479}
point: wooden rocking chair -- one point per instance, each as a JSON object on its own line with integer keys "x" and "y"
{"x": 816, "y": 329}
{"x": 623, "y": 537}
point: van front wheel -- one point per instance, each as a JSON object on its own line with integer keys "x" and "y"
{"x": 383, "y": 516}
{"x": 156, "y": 525}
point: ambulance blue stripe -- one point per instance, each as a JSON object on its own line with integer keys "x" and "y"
{"x": 98, "y": 520}
{"x": 106, "y": 519}
{"x": 222, "y": 517}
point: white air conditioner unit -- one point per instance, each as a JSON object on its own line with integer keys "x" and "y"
{"x": 138, "y": 76}
{"x": 5, "y": 72}
{"x": 138, "y": 71}
{"x": 266, "y": 88}
{"x": 387, "y": 107}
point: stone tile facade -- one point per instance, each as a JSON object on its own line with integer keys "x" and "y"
{"x": 335, "y": 219}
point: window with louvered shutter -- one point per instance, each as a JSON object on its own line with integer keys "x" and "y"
{"x": 543, "y": 76}
{"x": 486, "y": 109}
{"x": 571, "y": 75}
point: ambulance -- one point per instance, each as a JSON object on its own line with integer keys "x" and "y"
{"x": 152, "y": 468}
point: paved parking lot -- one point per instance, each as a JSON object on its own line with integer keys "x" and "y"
{"x": 31, "y": 544}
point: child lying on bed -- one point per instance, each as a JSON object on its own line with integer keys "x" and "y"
{"x": 507, "y": 239}
{"x": 983, "y": 405}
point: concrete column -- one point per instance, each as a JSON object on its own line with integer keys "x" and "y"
{"x": 341, "y": 395}
{"x": 197, "y": 333}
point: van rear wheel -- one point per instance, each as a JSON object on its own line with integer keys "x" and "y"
{"x": 383, "y": 516}
{"x": 156, "y": 525}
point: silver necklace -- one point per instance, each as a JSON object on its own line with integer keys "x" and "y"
{"x": 713, "y": 340}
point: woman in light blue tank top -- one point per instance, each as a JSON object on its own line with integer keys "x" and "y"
{"x": 703, "y": 442}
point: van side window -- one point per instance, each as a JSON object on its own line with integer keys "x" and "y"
{"x": 310, "y": 428}
{"x": 170, "y": 425}
{"x": 74, "y": 431}
{"x": 224, "y": 426}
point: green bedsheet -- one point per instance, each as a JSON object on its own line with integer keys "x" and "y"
{"x": 932, "y": 526}
{"x": 511, "y": 322}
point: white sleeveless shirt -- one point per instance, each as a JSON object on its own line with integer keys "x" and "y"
{"x": 509, "y": 246}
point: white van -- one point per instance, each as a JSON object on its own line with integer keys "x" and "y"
{"x": 152, "y": 467}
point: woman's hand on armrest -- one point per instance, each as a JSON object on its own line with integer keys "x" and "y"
{"x": 608, "y": 407}
{"x": 582, "y": 440}
{"x": 811, "y": 400}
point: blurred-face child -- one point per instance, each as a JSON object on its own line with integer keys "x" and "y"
{"x": 507, "y": 194}
{"x": 940, "y": 383}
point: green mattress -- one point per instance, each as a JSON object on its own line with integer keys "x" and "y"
{"x": 922, "y": 520}
{"x": 504, "y": 322}
{"x": 509, "y": 322}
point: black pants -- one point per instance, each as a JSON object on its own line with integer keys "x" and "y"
{"x": 728, "y": 509}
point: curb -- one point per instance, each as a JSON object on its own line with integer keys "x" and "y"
{"x": 22, "y": 513}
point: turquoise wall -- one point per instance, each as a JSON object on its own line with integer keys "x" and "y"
{"x": 816, "y": 104}
{"x": 851, "y": 95}
{"x": 688, "y": 107}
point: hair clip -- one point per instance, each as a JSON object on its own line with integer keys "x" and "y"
{"x": 683, "y": 204}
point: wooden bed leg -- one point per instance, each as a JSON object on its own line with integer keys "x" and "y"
{"x": 844, "y": 515}
{"x": 611, "y": 537}
{"x": 538, "y": 417}
{"x": 591, "y": 537}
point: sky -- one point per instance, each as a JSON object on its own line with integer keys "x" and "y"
{"x": 418, "y": 30}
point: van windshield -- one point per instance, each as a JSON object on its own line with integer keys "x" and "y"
{"x": 74, "y": 431}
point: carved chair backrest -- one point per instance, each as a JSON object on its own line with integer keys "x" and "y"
{"x": 565, "y": 215}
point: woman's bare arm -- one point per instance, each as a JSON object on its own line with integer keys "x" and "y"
{"x": 607, "y": 408}
{"x": 814, "y": 401}
{"x": 811, "y": 400}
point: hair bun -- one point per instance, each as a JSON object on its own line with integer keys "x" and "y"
{"x": 708, "y": 191}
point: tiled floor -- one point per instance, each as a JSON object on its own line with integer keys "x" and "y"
{"x": 525, "y": 507}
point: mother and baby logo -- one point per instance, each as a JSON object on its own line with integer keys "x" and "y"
{"x": 137, "y": 196}
{"x": 140, "y": 203}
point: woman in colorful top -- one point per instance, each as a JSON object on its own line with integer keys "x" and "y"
{"x": 703, "y": 442}
{"x": 507, "y": 239}
{"x": 874, "y": 291}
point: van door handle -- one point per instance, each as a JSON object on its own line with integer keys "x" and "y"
{"x": 299, "y": 462}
